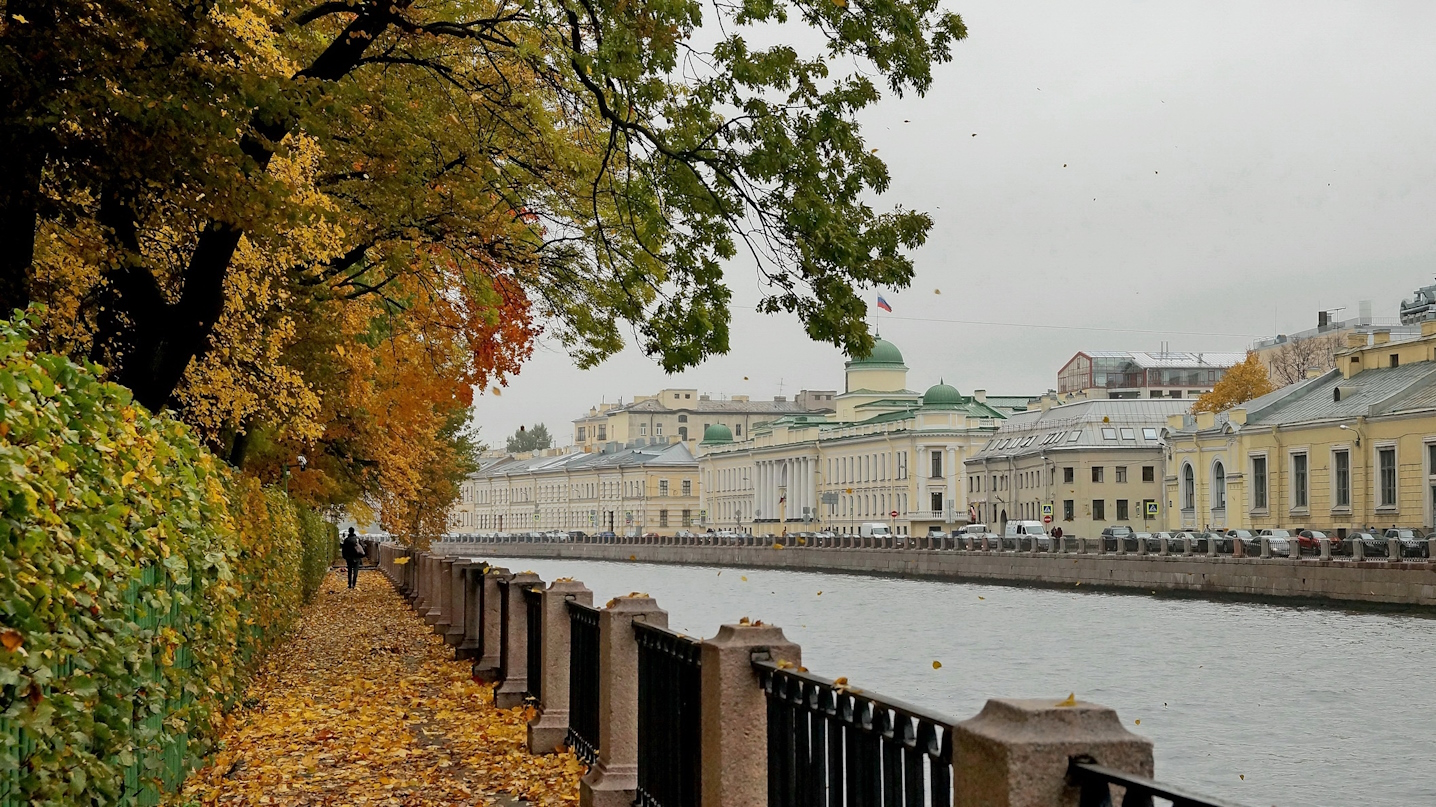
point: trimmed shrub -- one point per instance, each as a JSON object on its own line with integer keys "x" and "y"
{"x": 137, "y": 576}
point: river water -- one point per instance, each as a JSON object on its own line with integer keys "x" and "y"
{"x": 1257, "y": 704}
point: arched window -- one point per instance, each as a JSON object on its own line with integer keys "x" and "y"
{"x": 1219, "y": 486}
{"x": 1189, "y": 488}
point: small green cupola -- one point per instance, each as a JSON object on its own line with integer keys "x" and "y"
{"x": 942, "y": 395}
{"x": 717, "y": 433}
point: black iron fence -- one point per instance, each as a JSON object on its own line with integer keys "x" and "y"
{"x": 1095, "y": 782}
{"x": 830, "y": 746}
{"x": 533, "y": 605}
{"x": 503, "y": 628}
{"x": 669, "y": 721}
{"x": 583, "y": 681}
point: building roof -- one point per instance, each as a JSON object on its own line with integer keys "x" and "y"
{"x": 717, "y": 433}
{"x": 1171, "y": 359}
{"x": 674, "y": 454}
{"x": 1099, "y": 423}
{"x": 941, "y": 394}
{"x": 701, "y": 406}
{"x": 1379, "y": 391}
{"x": 885, "y": 354}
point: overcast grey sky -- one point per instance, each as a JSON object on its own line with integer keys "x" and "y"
{"x": 1198, "y": 173}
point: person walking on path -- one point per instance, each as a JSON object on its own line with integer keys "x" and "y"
{"x": 353, "y": 553}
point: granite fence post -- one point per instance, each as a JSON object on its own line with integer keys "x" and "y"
{"x": 511, "y": 691}
{"x": 735, "y": 713}
{"x": 613, "y": 780}
{"x": 549, "y": 730}
{"x": 1015, "y": 753}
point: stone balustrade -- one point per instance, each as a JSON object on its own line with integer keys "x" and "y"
{"x": 750, "y": 725}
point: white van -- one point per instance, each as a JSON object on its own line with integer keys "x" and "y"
{"x": 874, "y": 528}
{"x": 975, "y": 529}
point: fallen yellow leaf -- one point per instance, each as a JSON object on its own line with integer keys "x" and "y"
{"x": 12, "y": 639}
{"x": 1071, "y": 700}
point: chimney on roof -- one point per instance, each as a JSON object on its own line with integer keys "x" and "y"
{"x": 1323, "y": 319}
{"x": 779, "y": 398}
{"x": 1381, "y": 337}
{"x": 705, "y": 397}
{"x": 1314, "y": 372}
{"x": 980, "y": 395}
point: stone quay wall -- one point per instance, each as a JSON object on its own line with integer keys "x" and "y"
{"x": 1309, "y": 579}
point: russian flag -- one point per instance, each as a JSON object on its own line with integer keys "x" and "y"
{"x": 883, "y": 304}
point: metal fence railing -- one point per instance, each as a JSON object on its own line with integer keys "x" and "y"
{"x": 583, "y": 681}
{"x": 829, "y": 745}
{"x": 1095, "y": 782}
{"x": 669, "y": 719}
{"x": 533, "y": 605}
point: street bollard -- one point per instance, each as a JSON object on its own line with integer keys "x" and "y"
{"x": 1393, "y": 550}
{"x": 1141, "y": 546}
{"x": 1186, "y": 546}
{"x": 1431, "y": 549}
{"x": 1163, "y": 548}
{"x": 1358, "y": 550}
{"x": 1265, "y": 547}
{"x": 1293, "y": 548}
{"x": 1325, "y": 548}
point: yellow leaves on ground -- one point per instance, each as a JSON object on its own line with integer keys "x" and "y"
{"x": 366, "y": 706}
{"x": 1071, "y": 700}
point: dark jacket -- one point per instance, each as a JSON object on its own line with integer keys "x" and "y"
{"x": 352, "y": 549}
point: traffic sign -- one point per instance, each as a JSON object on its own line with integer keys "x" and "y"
{"x": 1151, "y": 508}
{"x": 1047, "y": 511}
{"x": 893, "y": 514}
{"x": 1047, "y": 519}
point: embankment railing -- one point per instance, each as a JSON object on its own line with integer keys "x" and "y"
{"x": 665, "y": 720}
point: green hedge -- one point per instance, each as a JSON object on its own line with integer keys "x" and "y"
{"x": 138, "y": 575}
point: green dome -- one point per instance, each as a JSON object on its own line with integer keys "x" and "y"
{"x": 717, "y": 433}
{"x": 884, "y": 352}
{"x": 941, "y": 395}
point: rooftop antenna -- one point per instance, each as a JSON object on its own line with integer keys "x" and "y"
{"x": 780, "y": 386}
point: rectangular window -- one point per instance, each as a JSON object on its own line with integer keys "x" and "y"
{"x": 1096, "y": 473}
{"x": 1099, "y": 510}
{"x": 1298, "y": 481}
{"x": 643, "y": 430}
{"x": 936, "y": 501}
{"x": 1259, "y": 483}
{"x": 1129, "y": 434}
{"x": 1069, "y": 510}
{"x": 737, "y": 429}
{"x": 1149, "y": 473}
{"x": 603, "y": 432}
{"x": 1386, "y": 474}
{"x": 663, "y": 518}
{"x": 1341, "y": 478}
{"x": 663, "y": 487}
{"x": 687, "y": 518}
{"x": 581, "y": 433}
{"x": 688, "y": 487}
{"x": 1067, "y": 475}
{"x": 937, "y": 465}
{"x": 1121, "y": 509}
{"x": 1121, "y": 473}
{"x": 658, "y": 430}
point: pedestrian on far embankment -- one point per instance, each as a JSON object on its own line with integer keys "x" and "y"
{"x": 353, "y": 552}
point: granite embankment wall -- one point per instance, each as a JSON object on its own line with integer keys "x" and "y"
{"x": 1411, "y": 584}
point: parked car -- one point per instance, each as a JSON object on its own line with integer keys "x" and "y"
{"x": 1310, "y": 540}
{"x": 1229, "y": 545}
{"x": 1143, "y": 540}
{"x": 1174, "y": 544}
{"x": 1372, "y": 544}
{"x": 1200, "y": 540}
{"x": 1413, "y": 542}
{"x": 1117, "y": 532}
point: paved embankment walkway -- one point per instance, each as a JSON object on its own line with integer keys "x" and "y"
{"x": 365, "y": 705}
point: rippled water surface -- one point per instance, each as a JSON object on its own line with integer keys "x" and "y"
{"x": 1258, "y": 704}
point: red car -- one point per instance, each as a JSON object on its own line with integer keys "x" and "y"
{"x": 1311, "y": 540}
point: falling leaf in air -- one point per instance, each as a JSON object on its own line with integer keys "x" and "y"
{"x": 820, "y": 593}
{"x": 937, "y": 291}
{"x": 12, "y": 639}
{"x": 1242, "y": 776}
{"x": 745, "y": 378}
{"x": 1138, "y": 722}
{"x": 720, "y": 573}
{"x": 1071, "y": 700}
{"x": 744, "y": 578}
{"x": 496, "y": 391}
{"x": 936, "y": 665}
{"x": 980, "y": 597}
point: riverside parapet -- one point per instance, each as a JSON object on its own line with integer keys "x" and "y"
{"x": 1309, "y": 579}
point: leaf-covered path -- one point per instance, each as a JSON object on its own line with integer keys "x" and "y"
{"x": 365, "y": 705}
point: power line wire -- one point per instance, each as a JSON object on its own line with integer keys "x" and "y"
{"x": 1071, "y": 327}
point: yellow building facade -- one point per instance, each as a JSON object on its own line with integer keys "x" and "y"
{"x": 1351, "y": 449}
